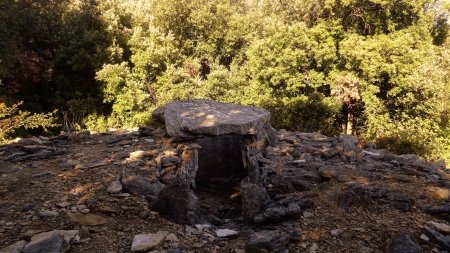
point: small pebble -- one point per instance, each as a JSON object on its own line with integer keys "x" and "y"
{"x": 336, "y": 232}
{"x": 424, "y": 238}
{"x": 226, "y": 232}
{"x": 307, "y": 214}
{"x": 63, "y": 204}
{"x": 314, "y": 247}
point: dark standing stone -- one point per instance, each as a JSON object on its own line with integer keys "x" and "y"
{"x": 254, "y": 200}
{"x": 178, "y": 202}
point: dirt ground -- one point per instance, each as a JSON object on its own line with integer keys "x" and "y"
{"x": 77, "y": 180}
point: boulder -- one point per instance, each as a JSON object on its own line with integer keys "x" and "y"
{"x": 56, "y": 241}
{"x": 114, "y": 187}
{"x": 191, "y": 118}
{"x": 140, "y": 186}
{"x": 51, "y": 243}
{"x": 146, "y": 242}
{"x": 276, "y": 213}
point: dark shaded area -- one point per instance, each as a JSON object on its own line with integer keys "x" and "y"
{"x": 220, "y": 161}
{"x": 220, "y": 171}
{"x": 369, "y": 18}
{"x": 311, "y": 114}
{"x": 50, "y": 53}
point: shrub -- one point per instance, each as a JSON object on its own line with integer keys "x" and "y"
{"x": 313, "y": 113}
{"x": 12, "y": 118}
{"x": 417, "y": 136}
{"x": 97, "y": 123}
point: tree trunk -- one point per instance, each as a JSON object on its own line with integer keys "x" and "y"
{"x": 349, "y": 129}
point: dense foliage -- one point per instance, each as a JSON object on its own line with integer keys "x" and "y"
{"x": 12, "y": 118}
{"x": 376, "y": 68}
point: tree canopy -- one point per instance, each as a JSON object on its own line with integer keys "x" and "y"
{"x": 376, "y": 68}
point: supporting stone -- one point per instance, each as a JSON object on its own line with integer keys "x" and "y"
{"x": 177, "y": 200}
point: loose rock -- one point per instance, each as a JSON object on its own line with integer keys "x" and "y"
{"x": 141, "y": 186}
{"x": 56, "y": 241}
{"x": 114, "y": 187}
{"x": 47, "y": 214}
{"x": 63, "y": 204}
{"x": 441, "y": 227}
{"x": 226, "y": 232}
{"x": 336, "y": 232}
{"x": 145, "y": 242}
{"x": 270, "y": 241}
{"x": 438, "y": 238}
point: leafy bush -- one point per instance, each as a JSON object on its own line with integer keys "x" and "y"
{"x": 12, "y": 118}
{"x": 416, "y": 137}
{"x": 313, "y": 113}
{"x": 97, "y": 123}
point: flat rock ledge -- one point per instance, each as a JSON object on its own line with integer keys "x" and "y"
{"x": 193, "y": 118}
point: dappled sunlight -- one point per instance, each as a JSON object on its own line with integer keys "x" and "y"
{"x": 210, "y": 120}
{"x": 314, "y": 235}
{"x": 438, "y": 193}
{"x": 78, "y": 190}
{"x": 362, "y": 180}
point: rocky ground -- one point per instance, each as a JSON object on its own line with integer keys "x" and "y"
{"x": 348, "y": 198}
